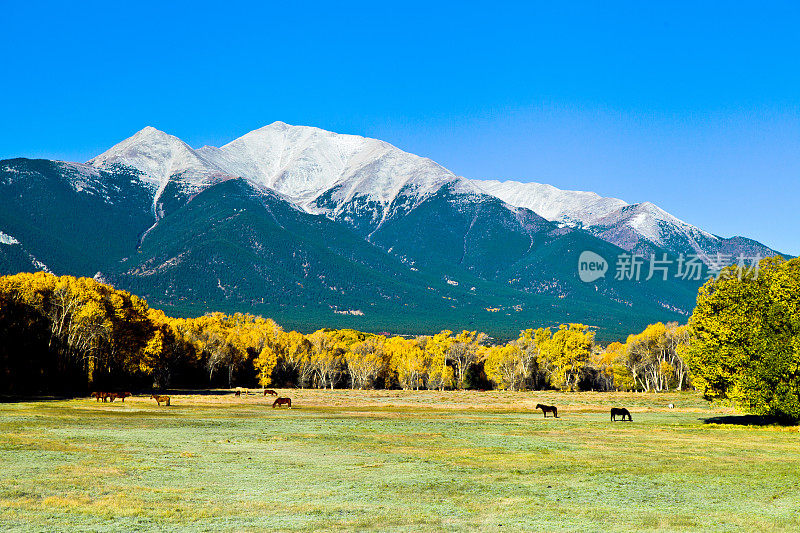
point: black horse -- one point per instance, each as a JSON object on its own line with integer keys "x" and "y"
{"x": 620, "y": 411}
{"x": 548, "y": 409}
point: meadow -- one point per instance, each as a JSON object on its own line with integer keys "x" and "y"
{"x": 394, "y": 461}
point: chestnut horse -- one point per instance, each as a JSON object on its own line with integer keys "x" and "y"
{"x": 620, "y": 411}
{"x": 120, "y": 395}
{"x": 282, "y": 401}
{"x": 548, "y": 409}
{"x": 160, "y": 399}
{"x": 270, "y": 391}
{"x": 105, "y": 396}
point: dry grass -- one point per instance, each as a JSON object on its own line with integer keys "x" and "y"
{"x": 587, "y": 402}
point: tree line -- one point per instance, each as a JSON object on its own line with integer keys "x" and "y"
{"x": 66, "y": 335}
{"x": 69, "y": 335}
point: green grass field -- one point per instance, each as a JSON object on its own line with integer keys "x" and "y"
{"x": 393, "y": 461}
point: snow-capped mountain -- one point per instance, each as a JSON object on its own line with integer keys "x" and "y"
{"x": 363, "y": 182}
{"x": 319, "y": 171}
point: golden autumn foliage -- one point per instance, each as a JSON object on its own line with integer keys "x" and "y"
{"x": 89, "y": 329}
{"x": 87, "y": 334}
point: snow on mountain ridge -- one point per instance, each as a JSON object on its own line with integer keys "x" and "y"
{"x": 573, "y": 208}
{"x": 647, "y": 220}
{"x": 302, "y": 162}
{"x": 611, "y": 219}
{"x": 650, "y": 219}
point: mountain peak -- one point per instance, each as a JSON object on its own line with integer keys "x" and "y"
{"x": 301, "y": 134}
{"x": 149, "y": 130}
{"x": 157, "y": 156}
{"x": 650, "y": 207}
{"x": 143, "y": 140}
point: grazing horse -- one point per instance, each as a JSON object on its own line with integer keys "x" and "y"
{"x": 120, "y": 395}
{"x": 270, "y": 391}
{"x": 104, "y": 396}
{"x": 160, "y": 399}
{"x": 548, "y": 409}
{"x": 282, "y": 401}
{"x": 620, "y": 411}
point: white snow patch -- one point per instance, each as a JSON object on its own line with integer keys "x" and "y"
{"x": 38, "y": 264}
{"x": 7, "y": 239}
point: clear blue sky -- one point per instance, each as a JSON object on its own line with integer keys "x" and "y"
{"x": 694, "y": 106}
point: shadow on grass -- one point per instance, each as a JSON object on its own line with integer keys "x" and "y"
{"x": 33, "y": 398}
{"x": 750, "y": 420}
{"x": 19, "y": 398}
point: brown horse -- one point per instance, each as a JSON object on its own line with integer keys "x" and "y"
{"x": 105, "y": 396}
{"x": 548, "y": 409}
{"x": 237, "y": 393}
{"x": 282, "y": 401}
{"x": 160, "y": 399}
{"x": 620, "y": 411}
{"x": 270, "y": 391}
{"x": 120, "y": 395}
